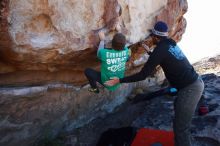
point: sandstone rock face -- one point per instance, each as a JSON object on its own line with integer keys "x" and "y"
{"x": 58, "y": 39}
{"x": 45, "y": 45}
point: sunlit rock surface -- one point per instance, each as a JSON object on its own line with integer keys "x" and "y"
{"x": 46, "y": 44}
{"x": 52, "y": 40}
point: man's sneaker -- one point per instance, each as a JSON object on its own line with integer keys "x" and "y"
{"x": 95, "y": 90}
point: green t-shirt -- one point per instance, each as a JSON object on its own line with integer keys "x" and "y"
{"x": 113, "y": 64}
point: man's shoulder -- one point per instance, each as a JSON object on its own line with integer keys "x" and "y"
{"x": 169, "y": 41}
{"x": 166, "y": 43}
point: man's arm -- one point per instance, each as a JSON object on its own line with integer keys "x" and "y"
{"x": 155, "y": 58}
{"x": 145, "y": 71}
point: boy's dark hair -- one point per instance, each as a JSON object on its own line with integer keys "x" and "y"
{"x": 118, "y": 41}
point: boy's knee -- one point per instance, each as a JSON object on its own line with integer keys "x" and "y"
{"x": 87, "y": 71}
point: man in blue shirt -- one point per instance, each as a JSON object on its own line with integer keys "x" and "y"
{"x": 180, "y": 74}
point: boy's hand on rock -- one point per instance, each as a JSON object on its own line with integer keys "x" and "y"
{"x": 118, "y": 27}
{"x": 101, "y": 35}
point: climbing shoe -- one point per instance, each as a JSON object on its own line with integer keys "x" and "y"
{"x": 95, "y": 90}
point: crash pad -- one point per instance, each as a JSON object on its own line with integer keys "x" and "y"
{"x": 149, "y": 137}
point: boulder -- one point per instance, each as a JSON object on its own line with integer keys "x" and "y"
{"x": 45, "y": 45}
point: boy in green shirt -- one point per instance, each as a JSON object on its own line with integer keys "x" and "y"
{"x": 113, "y": 61}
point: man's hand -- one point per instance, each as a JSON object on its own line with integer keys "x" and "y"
{"x": 145, "y": 47}
{"x": 112, "y": 82}
{"x": 101, "y": 35}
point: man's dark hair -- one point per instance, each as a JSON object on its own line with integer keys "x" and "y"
{"x": 118, "y": 41}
